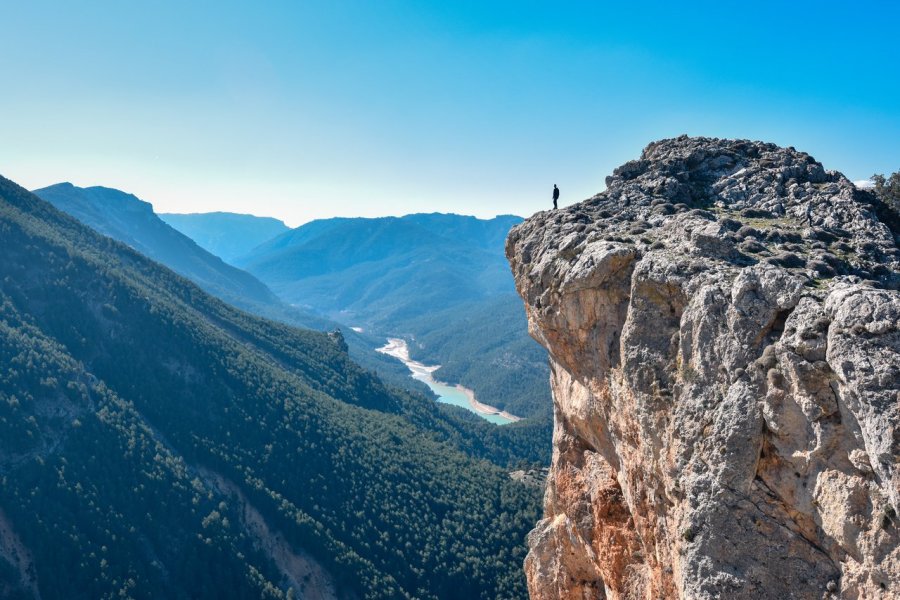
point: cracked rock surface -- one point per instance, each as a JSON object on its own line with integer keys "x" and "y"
{"x": 723, "y": 324}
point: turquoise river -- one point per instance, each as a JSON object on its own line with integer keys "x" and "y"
{"x": 449, "y": 394}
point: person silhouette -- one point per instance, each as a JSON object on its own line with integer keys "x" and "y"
{"x": 555, "y": 196}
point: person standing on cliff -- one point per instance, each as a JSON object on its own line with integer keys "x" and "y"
{"x": 555, "y": 196}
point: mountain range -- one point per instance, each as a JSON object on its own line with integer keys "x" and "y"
{"x": 384, "y": 270}
{"x": 157, "y": 442}
{"x": 439, "y": 280}
{"x": 432, "y": 279}
{"x": 132, "y": 221}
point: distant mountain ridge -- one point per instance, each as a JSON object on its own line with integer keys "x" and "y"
{"x": 435, "y": 279}
{"x": 129, "y": 219}
{"x": 227, "y": 235}
{"x": 388, "y": 268}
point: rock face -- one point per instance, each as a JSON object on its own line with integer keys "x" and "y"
{"x": 724, "y": 331}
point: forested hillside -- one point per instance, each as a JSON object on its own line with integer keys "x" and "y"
{"x": 132, "y": 221}
{"x": 381, "y": 270}
{"x": 485, "y": 346}
{"x": 155, "y": 442}
{"x": 439, "y": 281}
{"x": 126, "y": 218}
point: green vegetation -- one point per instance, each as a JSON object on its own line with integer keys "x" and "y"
{"x": 140, "y": 417}
{"x": 887, "y": 192}
{"x": 485, "y": 346}
{"x": 126, "y": 218}
{"x": 131, "y": 221}
{"x": 440, "y": 281}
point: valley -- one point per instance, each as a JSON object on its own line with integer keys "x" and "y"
{"x": 456, "y": 395}
{"x": 433, "y": 278}
{"x": 430, "y": 279}
{"x": 226, "y": 235}
{"x": 257, "y": 453}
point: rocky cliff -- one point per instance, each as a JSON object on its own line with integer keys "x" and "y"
{"x": 722, "y": 324}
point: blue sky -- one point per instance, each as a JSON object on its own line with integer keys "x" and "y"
{"x": 312, "y": 109}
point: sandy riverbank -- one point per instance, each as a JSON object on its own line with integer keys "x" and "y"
{"x": 485, "y": 409}
{"x": 398, "y": 349}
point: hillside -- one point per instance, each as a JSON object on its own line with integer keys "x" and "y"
{"x": 484, "y": 346}
{"x": 125, "y": 218}
{"x": 132, "y": 221}
{"x": 387, "y": 269}
{"x": 438, "y": 280}
{"x": 156, "y": 442}
{"x": 724, "y": 327}
{"x": 226, "y": 235}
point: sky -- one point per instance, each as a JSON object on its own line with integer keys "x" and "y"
{"x": 310, "y": 109}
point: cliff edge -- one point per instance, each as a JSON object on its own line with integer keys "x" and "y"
{"x": 722, "y": 324}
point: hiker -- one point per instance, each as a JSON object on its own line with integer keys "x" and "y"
{"x": 555, "y": 196}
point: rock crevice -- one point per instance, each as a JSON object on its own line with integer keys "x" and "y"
{"x": 723, "y": 325}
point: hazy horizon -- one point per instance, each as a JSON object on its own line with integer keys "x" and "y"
{"x": 264, "y": 216}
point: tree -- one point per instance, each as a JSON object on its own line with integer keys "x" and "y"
{"x": 887, "y": 191}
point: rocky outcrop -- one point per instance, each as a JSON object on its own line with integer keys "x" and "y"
{"x": 723, "y": 324}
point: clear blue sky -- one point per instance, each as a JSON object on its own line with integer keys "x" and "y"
{"x": 310, "y": 109}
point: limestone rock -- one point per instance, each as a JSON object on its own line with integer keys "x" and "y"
{"x": 723, "y": 324}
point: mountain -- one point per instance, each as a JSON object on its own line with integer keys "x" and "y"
{"x": 125, "y": 218}
{"x": 387, "y": 269}
{"x": 440, "y": 281}
{"x": 157, "y": 442}
{"x": 724, "y": 328}
{"x": 130, "y": 220}
{"x": 227, "y": 235}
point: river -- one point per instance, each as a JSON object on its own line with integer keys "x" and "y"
{"x": 449, "y": 394}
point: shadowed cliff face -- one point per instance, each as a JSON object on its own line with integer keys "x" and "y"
{"x": 722, "y": 325}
